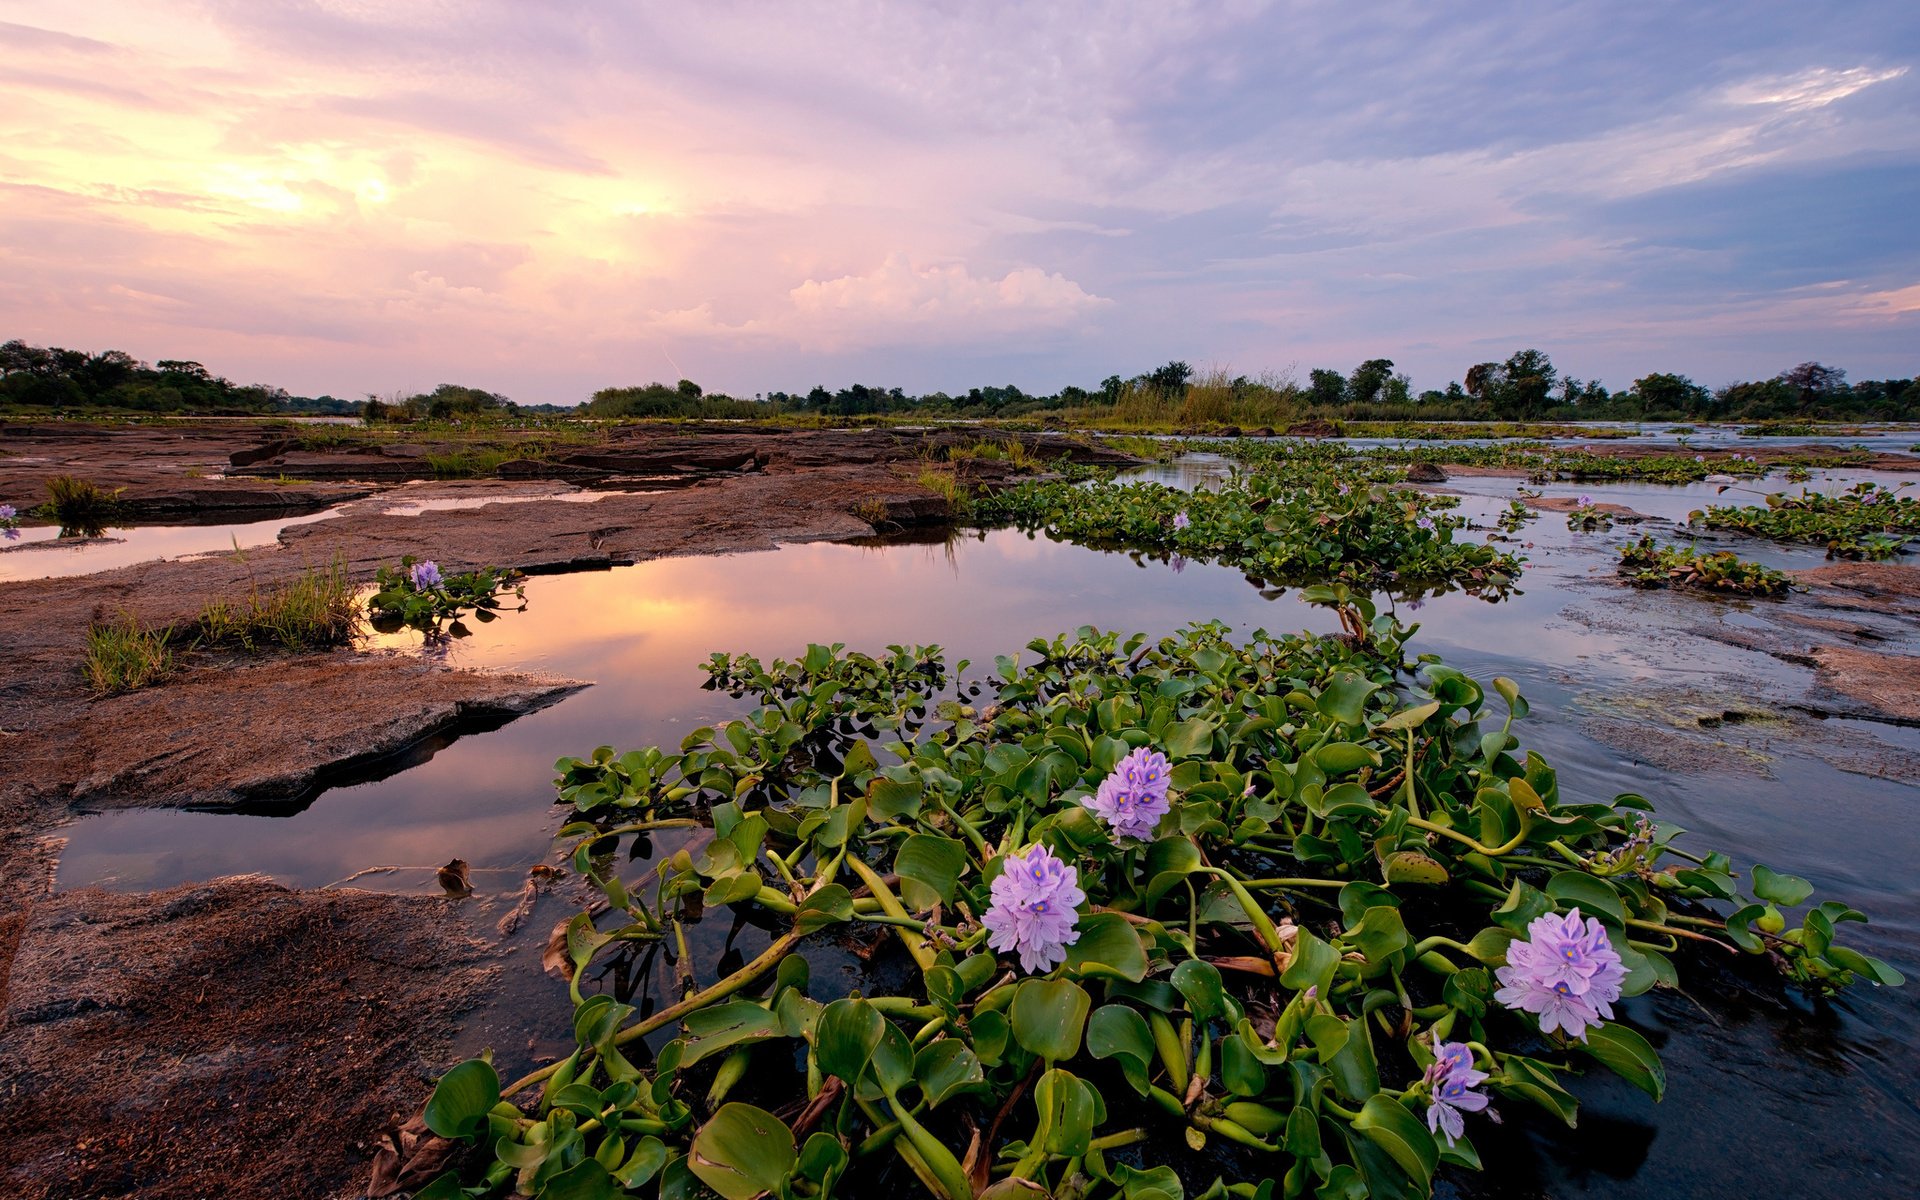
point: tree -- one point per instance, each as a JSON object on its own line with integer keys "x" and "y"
{"x": 1367, "y": 380}
{"x": 689, "y": 389}
{"x": 1813, "y": 382}
{"x": 1171, "y": 380}
{"x": 1670, "y": 394}
{"x": 1326, "y": 388}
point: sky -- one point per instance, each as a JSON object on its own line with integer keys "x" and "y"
{"x": 541, "y": 199}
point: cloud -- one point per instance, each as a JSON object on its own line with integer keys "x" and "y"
{"x": 1814, "y": 88}
{"x": 940, "y": 303}
{"x": 544, "y": 198}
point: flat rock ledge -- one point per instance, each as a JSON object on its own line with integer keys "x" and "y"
{"x": 264, "y": 735}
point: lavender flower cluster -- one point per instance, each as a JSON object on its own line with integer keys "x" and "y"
{"x": 424, "y": 575}
{"x": 1035, "y": 899}
{"x": 1134, "y": 798}
{"x": 8, "y": 520}
{"x": 1453, "y": 1078}
{"x": 1566, "y": 973}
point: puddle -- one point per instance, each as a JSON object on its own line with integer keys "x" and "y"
{"x": 35, "y": 556}
{"x": 1749, "y": 1072}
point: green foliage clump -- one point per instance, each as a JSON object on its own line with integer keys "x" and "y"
{"x": 1285, "y": 533}
{"x": 122, "y": 655}
{"x": 404, "y": 598}
{"x": 1353, "y": 843}
{"x": 1646, "y": 563}
{"x": 313, "y": 611}
{"x": 1865, "y": 521}
{"x": 82, "y": 506}
{"x": 1589, "y": 517}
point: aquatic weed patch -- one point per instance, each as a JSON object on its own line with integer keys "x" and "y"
{"x": 1298, "y": 902}
{"x": 416, "y": 594}
{"x": 1866, "y": 521}
{"x": 1363, "y": 534}
{"x": 1647, "y": 563}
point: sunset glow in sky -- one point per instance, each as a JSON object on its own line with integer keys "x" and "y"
{"x": 352, "y": 196}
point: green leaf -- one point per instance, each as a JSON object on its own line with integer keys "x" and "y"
{"x": 1048, "y": 1017}
{"x": 929, "y": 867}
{"x": 1629, "y": 1055}
{"x": 946, "y": 1068}
{"x": 1118, "y": 1031}
{"x": 1239, "y": 1069}
{"x": 712, "y": 1030}
{"x": 462, "y": 1099}
{"x": 1200, "y": 983}
{"x": 1338, "y": 758}
{"x": 845, "y": 1037}
{"x": 831, "y": 905}
{"x": 585, "y": 1180}
{"x": 743, "y": 1151}
{"x": 1594, "y": 897}
{"x": 1107, "y": 948}
{"x": 1191, "y": 738}
{"x": 1345, "y": 698}
{"x": 1387, "y": 1123}
{"x": 1784, "y": 890}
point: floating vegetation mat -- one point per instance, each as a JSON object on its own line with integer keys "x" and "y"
{"x": 1290, "y": 916}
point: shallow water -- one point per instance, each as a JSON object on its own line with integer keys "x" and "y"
{"x": 1761, "y": 1085}
{"x": 39, "y": 555}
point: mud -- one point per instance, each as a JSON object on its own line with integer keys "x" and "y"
{"x": 232, "y": 1038}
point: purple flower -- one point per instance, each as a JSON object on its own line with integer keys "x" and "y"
{"x": 6, "y": 512}
{"x": 1344, "y": 489}
{"x": 1566, "y": 973}
{"x": 1453, "y": 1078}
{"x": 424, "y": 574}
{"x": 1033, "y": 911}
{"x": 1180, "y": 520}
{"x": 1425, "y": 522}
{"x": 1586, "y": 501}
{"x": 1699, "y": 458}
{"x": 1134, "y": 798}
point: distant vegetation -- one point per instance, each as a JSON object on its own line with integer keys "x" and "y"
{"x": 1526, "y": 386}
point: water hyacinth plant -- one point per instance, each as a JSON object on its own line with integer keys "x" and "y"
{"x": 1367, "y": 534}
{"x": 1588, "y": 517}
{"x": 1646, "y": 563}
{"x": 1865, "y": 521}
{"x": 1365, "y": 917}
{"x": 416, "y": 594}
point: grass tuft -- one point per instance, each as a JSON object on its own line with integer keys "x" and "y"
{"x": 316, "y": 610}
{"x": 80, "y": 504}
{"x": 121, "y": 656}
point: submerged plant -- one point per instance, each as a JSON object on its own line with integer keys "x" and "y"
{"x": 1365, "y": 916}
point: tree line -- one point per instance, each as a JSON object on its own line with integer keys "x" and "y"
{"x": 1523, "y": 387}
